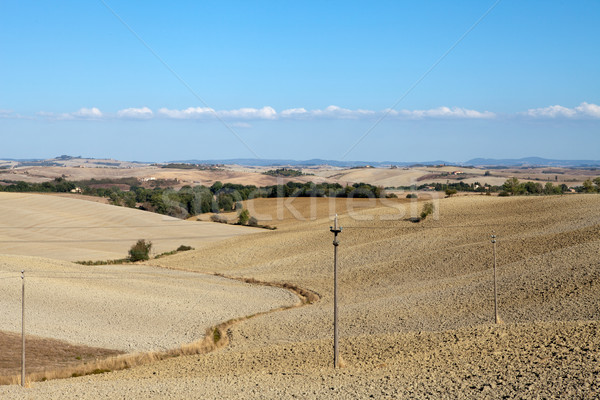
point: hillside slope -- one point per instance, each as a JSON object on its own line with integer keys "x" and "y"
{"x": 416, "y": 309}
{"x": 72, "y": 229}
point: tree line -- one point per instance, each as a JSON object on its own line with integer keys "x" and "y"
{"x": 188, "y": 200}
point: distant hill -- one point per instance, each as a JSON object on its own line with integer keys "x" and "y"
{"x": 308, "y": 163}
{"x": 532, "y": 161}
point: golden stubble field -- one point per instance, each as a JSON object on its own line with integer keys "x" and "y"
{"x": 416, "y": 307}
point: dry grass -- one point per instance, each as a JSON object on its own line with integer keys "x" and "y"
{"x": 53, "y": 369}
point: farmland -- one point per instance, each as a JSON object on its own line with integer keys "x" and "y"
{"x": 416, "y": 304}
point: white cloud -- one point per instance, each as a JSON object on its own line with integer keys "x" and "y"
{"x": 82, "y": 113}
{"x": 584, "y": 110}
{"x": 294, "y": 113}
{"x": 188, "y": 113}
{"x": 87, "y": 113}
{"x": 135, "y": 113}
{"x": 8, "y": 114}
{"x": 589, "y": 110}
{"x": 332, "y": 112}
{"x": 241, "y": 115}
{"x": 249, "y": 113}
{"x": 206, "y": 112}
{"x": 441, "y": 113}
{"x": 335, "y": 112}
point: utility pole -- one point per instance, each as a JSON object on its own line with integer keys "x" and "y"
{"x": 335, "y": 230}
{"x": 23, "y": 328}
{"x": 497, "y": 320}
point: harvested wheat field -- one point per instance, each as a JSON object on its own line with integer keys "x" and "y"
{"x": 416, "y": 309}
{"x": 76, "y": 230}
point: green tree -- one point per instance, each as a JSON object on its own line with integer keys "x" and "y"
{"x": 451, "y": 192}
{"x": 513, "y": 186}
{"x": 129, "y": 199}
{"x": 140, "y": 251}
{"x": 243, "y": 217}
{"x": 588, "y": 186}
{"x": 218, "y": 185}
{"x": 597, "y": 182}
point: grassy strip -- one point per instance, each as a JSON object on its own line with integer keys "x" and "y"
{"x": 127, "y": 260}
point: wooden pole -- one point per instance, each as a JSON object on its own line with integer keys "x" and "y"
{"x": 335, "y": 229}
{"x": 23, "y": 328}
{"x": 496, "y": 319}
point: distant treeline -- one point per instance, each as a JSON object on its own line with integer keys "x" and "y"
{"x": 285, "y": 172}
{"x": 459, "y": 186}
{"x": 192, "y": 200}
{"x": 202, "y": 167}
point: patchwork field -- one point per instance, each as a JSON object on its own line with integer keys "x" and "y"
{"x": 416, "y": 307}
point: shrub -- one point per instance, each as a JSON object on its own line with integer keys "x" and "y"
{"x": 140, "y": 251}
{"x": 253, "y": 221}
{"x": 411, "y": 196}
{"x": 427, "y": 209}
{"x": 451, "y": 192}
{"x": 504, "y": 193}
{"x": 243, "y": 217}
{"x": 184, "y": 248}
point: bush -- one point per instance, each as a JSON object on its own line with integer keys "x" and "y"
{"x": 140, "y": 251}
{"x": 184, "y": 248}
{"x": 428, "y": 208}
{"x": 253, "y": 221}
{"x": 451, "y": 192}
{"x": 243, "y": 217}
{"x": 504, "y": 193}
{"x": 411, "y": 196}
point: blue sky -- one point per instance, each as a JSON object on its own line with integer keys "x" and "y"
{"x": 386, "y": 80}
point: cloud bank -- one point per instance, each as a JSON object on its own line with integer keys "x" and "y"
{"x": 584, "y": 111}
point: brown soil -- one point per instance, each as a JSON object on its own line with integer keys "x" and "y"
{"x": 416, "y": 308}
{"x": 44, "y": 353}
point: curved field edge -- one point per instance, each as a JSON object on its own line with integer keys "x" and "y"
{"x": 215, "y": 338}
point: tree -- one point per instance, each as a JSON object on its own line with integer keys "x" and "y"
{"x": 451, "y": 192}
{"x": 588, "y": 186}
{"x": 513, "y": 186}
{"x": 218, "y": 185}
{"x": 243, "y": 217}
{"x": 533, "y": 187}
{"x": 140, "y": 251}
{"x": 597, "y": 182}
{"x": 129, "y": 199}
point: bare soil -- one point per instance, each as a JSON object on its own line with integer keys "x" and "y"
{"x": 416, "y": 308}
{"x": 43, "y": 353}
